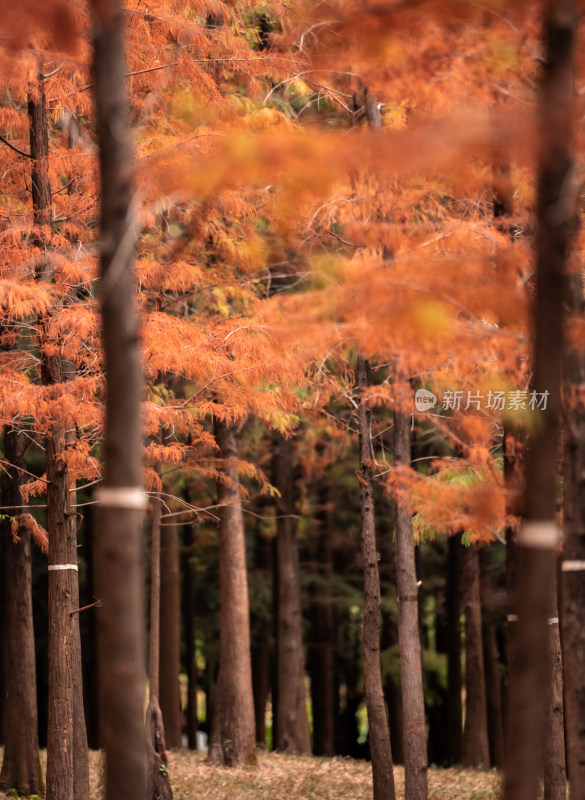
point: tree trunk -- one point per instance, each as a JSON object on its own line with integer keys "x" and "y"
{"x": 514, "y": 463}
{"x": 293, "y": 725}
{"x": 233, "y": 730}
{"x": 454, "y": 681}
{"x": 555, "y": 773}
{"x": 21, "y": 768}
{"x": 66, "y": 725}
{"x": 475, "y": 736}
{"x": 62, "y": 576}
{"x": 413, "y": 709}
{"x": 573, "y": 563}
{"x": 170, "y": 636}
{"x": 190, "y": 641}
{"x": 119, "y": 564}
{"x": 379, "y": 733}
{"x": 321, "y": 645}
{"x": 261, "y": 629}
{"x": 538, "y": 537}
{"x": 491, "y": 660}
{"x": 158, "y": 783}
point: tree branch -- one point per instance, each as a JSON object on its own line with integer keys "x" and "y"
{"x": 13, "y": 147}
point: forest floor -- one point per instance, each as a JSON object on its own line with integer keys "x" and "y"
{"x": 294, "y": 778}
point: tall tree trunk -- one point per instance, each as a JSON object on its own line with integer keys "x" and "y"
{"x": 62, "y": 576}
{"x": 538, "y": 537}
{"x": 573, "y": 563}
{"x": 190, "y": 641}
{"x": 321, "y": 645}
{"x": 119, "y": 566}
{"x": 170, "y": 635}
{"x": 260, "y": 634}
{"x": 21, "y": 768}
{"x": 413, "y": 709}
{"x": 293, "y": 724}
{"x": 379, "y": 733}
{"x": 66, "y": 725}
{"x": 158, "y": 784}
{"x": 514, "y": 463}
{"x": 90, "y": 660}
{"x": 476, "y": 751}
{"x": 454, "y": 681}
{"x": 491, "y": 660}
{"x": 555, "y": 773}
{"x": 233, "y": 729}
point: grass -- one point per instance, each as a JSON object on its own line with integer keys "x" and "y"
{"x": 296, "y": 778}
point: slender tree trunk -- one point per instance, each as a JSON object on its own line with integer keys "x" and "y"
{"x": 293, "y": 724}
{"x": 491, "y": 658}
{"x": 119, "y": 566}
{"x": 573, "y": 563}
{"x": 66, "y": 726}
{"x": 321, "y": 645}
{"x": 233, "y": 730}
{"x": 170, "y": 636}
{"x": 454, "y": 681}
{"x": 413, "y": 710}
{"x": 377, "y": 720}
{"x": 389, "y": 640}
{"x": 555, "y": 773}
{"x": 62, "y": 576}
{"x": 21, "y": 768}
{"x": 475, "y": 736}
{"x": 158, "y": 784}
{"x": 261, "y": 629}
{"x": 91, "y": 670}
{"x": 538, "y": 537}
{"x": 190, "y": 642}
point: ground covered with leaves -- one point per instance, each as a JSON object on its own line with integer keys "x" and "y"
{"x": 276, "y": 775}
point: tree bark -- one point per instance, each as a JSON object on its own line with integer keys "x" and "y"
{"x": 321, "y": 645}
{"x": 555, "y": 773}
{"x": 413, "y": 710}
{"x": 491, "y": 660}
{"x": 21, "y": 768}
{"x": 190, "y": 641}
{"x": 538, "y": 537}
{"x": 170, "y": 636}
{"x": 157, "y": 779}
{"x": 454, "y": 680}
{"x": 475, "y": 736}
{"x": 62, "y": 576}
{"x": 573, "y": 559}
{"x": 66, "y": 723}
{"x": 379, "y": 733}
{"x": 293, "y": 735}
{"x": 260, "y": 634}
{"x": 120, "y": 569}
{"x": 233, "y": 729}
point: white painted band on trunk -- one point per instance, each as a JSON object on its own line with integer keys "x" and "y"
{"x": 553, "y": 621}
{"x": 542, "y": 535}
{"x": 512, "y": 617}
{"x": 132, "y": 497}
{"x": 63, "y": 566}
{"x": 572, "y": 566}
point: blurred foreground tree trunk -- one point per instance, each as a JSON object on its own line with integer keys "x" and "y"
{"x": 538, "y": 537}
{"x": 119, "y": 545}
